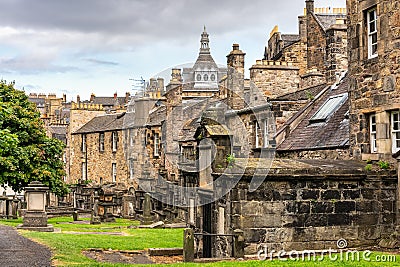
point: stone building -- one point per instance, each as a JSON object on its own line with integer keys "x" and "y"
{"x": 374, "y": 47}
{"x": 317, "y": 54}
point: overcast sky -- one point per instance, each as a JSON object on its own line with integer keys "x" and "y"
{"x": 96, "y": 46}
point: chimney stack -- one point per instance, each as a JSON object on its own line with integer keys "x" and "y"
{"x": 78, "y": 99}
{"x": 309, "y": 6}
{"x": 115, "y": 95}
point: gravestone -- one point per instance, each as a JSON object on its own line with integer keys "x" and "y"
{"x": 95, "y": 218}
{"x": 35, "y": 218}
{"x": 147, "y": 219}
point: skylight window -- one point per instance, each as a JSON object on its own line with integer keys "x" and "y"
{"x": 328, "y": 108}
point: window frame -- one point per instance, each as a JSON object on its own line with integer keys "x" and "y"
{"x": 114, "y": 172}
{"x": 156, "y": 149}
{"x": 372, "y": 133}
{"x": 131, "y": 168}
{"x": 371, "y": 34}
{"x": 101, "y": 142}
{"x": 83, "y": 143}
{"x": 114, "y": 141}
{"x": 84, "y": 171}
{"x": 394, "y": 132}
{"x": 258, "y": 135}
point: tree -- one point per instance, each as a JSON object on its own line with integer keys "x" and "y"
{"x": 26, "y": 153}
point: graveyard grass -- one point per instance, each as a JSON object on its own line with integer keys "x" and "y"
{"x": 68, "y": 245}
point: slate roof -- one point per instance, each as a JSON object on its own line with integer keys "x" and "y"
{"x": 39, "y": 102}
{"x": 289, "y": 39}
{"x": 301, "y": 94}
{"x": 104, "y": 123}
{"x": 108, "y": 101}
{"x": 332, "y": 133}
{"x": 327, "y": 20}
{"x": 157, "y": 116}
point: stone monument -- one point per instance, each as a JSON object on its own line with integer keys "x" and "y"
{"x": 147, "y": 218}
{"x": 95, "y": 218}
{"x": 35, "y": 218}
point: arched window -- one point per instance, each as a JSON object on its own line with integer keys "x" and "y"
{"x": 205, "y": 77}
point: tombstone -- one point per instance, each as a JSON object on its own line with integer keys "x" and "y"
{"x": 188, "y": 245}
{"x": 95, "y": 218}
{"x": 147, "y": 219}
{"x": 3, "y": 205}
{"x": 238, "y": 244}
{"x": 14, "y": 207}
{"x": 35, "y": 218}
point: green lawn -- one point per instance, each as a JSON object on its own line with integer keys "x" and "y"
{"x": 67, "y": 247}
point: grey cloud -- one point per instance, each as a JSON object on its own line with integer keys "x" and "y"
{"x": 32, "y": 65}
{"x": 141, "y": 20}
{"x": 102, "y": 62}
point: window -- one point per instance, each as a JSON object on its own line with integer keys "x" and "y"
{"x": 156, "y": 144}
{"x": 372, "y": 33}
{"x": 114, "y": 172}
{"x": 83, "y": 146}
{"x": 395, "y": 131}
{"x": 212, "y": 77}
{"x": 199, "y": 77}
{"x": 101, "y": 142}
{"x": 205, "y": 77}
{"x": 84, "y": 171}
{"x": 372, "y": 132}
{"x": 258, "y": 134}
{"x": 131, "y": 168}
{"x": 114, "y": 141}
{"x": 328, "y": 108}
{"x": 265, "y": 133}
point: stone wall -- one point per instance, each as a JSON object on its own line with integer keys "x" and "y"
{"x": 275, "y": 78}
{"x": 336, "y": 57}
{"x": 99, "y": 163}
{"x": 316, "y": 42}
{"x": 312, "y": 78}
{"x": 284, "y": 110}
{"x": 343, "y": 154}
{"x": 298, "y": 213}
{"x": 375, "y": 81}
{"x": 79, "y": 116}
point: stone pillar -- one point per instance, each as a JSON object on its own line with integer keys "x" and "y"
{"x": 205, "y": 155}
{"x": 147, "y": 219}
{"x": 188, "y": 245}
{"x": 14, "y": 208}
{"x": 238, "y": 244}
{"x": 35, "y": 218}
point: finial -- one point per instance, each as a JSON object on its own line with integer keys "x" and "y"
{"x": 205, "y": 28}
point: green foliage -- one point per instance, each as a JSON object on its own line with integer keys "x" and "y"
{"x": 26, "y": 153}
{"x": 383, "y": 165}
{"x": 368, "y": 167}
{"x": 309, "y": 95}
{"x": 230, "y": 159}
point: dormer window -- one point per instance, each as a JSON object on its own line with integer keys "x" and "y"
{"x": 328, "y": 108}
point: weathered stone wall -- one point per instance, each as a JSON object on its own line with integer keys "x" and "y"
{"x": 284, "y": 110}
{"x": 312, "y": 78}
{"x": 336, "y": 57}
{"x": 99, "y": 163}
{"x": 376, "y": 81}
{"x": 316, "y": 154}
{"x": 316, "y": 43}
{"x": 298, "y": 213}
{"x": 275, "y": 78}
{"x": 79, "y": 116}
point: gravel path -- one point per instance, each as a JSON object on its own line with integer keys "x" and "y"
{"x": 18, "y": 251}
